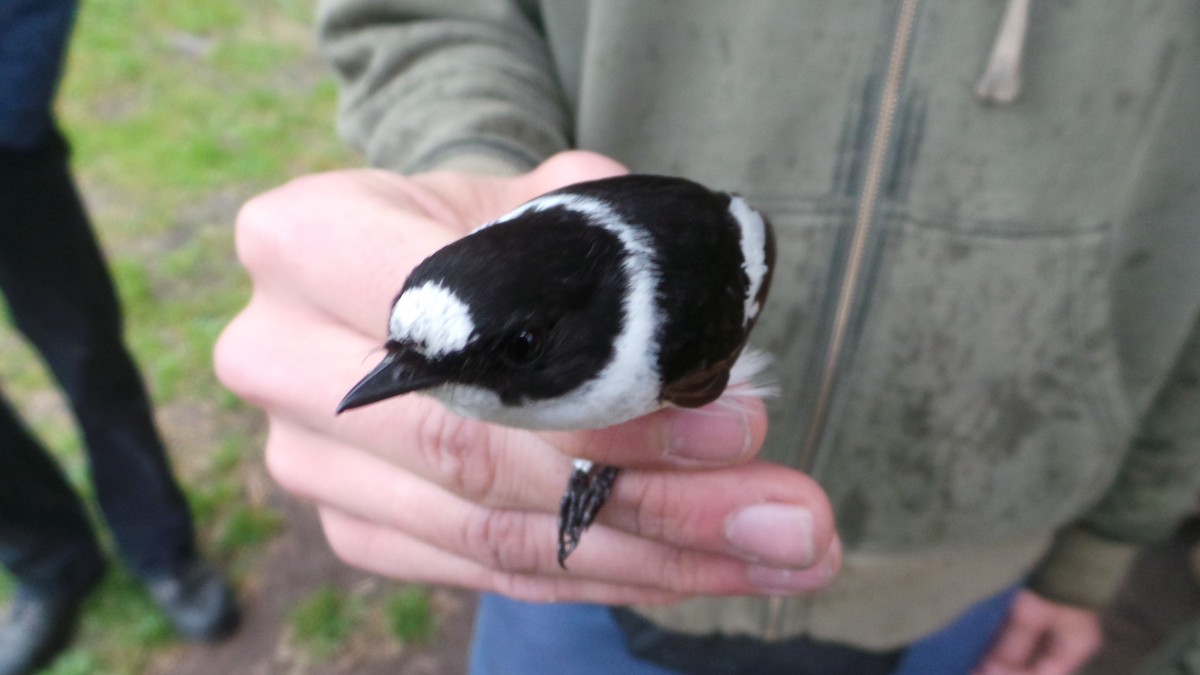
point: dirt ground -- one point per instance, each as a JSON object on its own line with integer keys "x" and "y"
{"x": 297, "y": 562}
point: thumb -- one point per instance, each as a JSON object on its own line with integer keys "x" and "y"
{"x": 469, "y": 200}
{"x": 565, "y": 168}
{"x": 727, "y": 432}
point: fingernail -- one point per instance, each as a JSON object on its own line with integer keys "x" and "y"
{"x": 788, "y": 581}
{"x": 780, "y": 581}
{"x": 773, "y": 534}
{"x": 716, "y": 434}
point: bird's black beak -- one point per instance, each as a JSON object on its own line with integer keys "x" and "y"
{"x": 399, "y": 373}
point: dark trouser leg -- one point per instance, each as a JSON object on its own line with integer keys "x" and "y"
{"x": 45, "y": 538}
{"x": 61, "y": 297}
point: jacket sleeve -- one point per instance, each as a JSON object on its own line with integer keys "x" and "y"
{"x": 1157, "y": 485}
{"x": 429, "y": 84}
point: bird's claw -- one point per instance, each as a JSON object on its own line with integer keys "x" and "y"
{"x": 587, "y": 491}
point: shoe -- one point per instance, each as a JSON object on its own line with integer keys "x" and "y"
{"x": 198, "y": 602}
{"x": 36, "y": 629}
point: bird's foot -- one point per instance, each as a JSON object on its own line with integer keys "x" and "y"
{"x": 587, "y": 491}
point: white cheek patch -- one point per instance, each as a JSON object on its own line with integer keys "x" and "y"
{"x": 754, "y": 251}
{"x": 432, "y": 317}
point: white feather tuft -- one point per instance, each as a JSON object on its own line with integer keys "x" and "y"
{"x": 750, "y": 376}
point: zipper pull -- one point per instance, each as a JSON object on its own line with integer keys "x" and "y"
{"x": 1001, "y": 80}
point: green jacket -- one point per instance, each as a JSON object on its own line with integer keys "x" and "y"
{"x": 1178, "y": 655}
{"x": 986, "y": 313}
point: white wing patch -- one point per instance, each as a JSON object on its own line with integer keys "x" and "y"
{"x": 432, "y": 317}
{"x": 594, "y": 208}
{"x": 754, "y": 251}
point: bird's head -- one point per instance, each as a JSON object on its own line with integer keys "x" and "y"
{"x": 517, "y": 312}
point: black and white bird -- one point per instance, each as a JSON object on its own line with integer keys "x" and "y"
{"x": 583, "y": 308}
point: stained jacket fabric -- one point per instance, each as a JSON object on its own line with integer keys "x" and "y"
{"x": 985, "y": 316}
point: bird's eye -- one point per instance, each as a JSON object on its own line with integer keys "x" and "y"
{"x": 522, "y": 348}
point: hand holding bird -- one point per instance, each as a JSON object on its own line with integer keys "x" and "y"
{"x": 414, "y": 491}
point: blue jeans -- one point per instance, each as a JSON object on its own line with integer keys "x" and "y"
{"x": 957, "y": 647}
{"x": 33, "y": 39}
{"x": 520, "y": 638}
{"x": 514, "y": 638}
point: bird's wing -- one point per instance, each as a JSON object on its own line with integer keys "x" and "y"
{"x": 700, "y": 387}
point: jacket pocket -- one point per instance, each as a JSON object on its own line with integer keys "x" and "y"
{"x": 983, "y": 399}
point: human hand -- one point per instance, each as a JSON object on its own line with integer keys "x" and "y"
{"x": 1041, "y": 637}
{"x": 407, "y": 489}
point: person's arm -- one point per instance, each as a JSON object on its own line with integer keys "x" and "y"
{"x": 449, "y": 84}
{"x": 407, "y": 489}
{"x": 1158, "y": 483}
{"x": 1056, "y": 620}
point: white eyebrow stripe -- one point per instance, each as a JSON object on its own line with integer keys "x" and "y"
{"x": 754, "y": 252}
{"x": 433, "y": 317}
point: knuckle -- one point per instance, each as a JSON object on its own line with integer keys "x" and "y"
{"x": 658, "y": 509}
{"x": 235, "y": 357}
{"x": 228, "y": 364}
{"x": 649, "y": 502}
{"x": 272, "y": 223}
{"x": 503, "y": 541}
{"x": 351, "y": 545}
{"x": 458, "y": 451}
{"x": 345, "y": 548}
{"x": 259, "y": 232}
{"x": 683, "y": 572}
{"x": 285, "y": 467}
{"x": 528, "y": 589}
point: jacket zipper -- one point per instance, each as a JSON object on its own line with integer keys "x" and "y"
{"x": 865, "y": 214}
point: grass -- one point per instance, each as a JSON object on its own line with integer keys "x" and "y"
{"x": 332, "y": 621}
{"x": 322, "y": 622}
{"x": 410, "y": 615}
{"x": 178, "y": 112}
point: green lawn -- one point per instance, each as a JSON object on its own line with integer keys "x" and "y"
{"x": 179, "y": 111}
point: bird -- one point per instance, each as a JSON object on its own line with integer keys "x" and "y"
{"x": 585, "y": 307}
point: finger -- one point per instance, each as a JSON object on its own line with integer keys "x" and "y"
{"x": 566, "y": 168}
{"x": 1015, "y": 646}
{"x": 728, "y": 431}
{"x": 358, "y": 246}
{"x": 301, "y": 383}
{"x": 759, "y": 512}
{"x": 508, "y": 468}
{"x": 475, "y": 200}
{"x": 380, "y": 225}
{"x": 389, "y": 553}
{"x": 1072, "y": 642}
{"x": 261, "y": 357}
{"x": 750, "y": 514}
{"x": 614, "y": 559}
{"x": 307, "y": 378}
